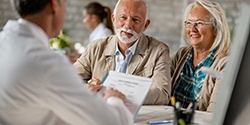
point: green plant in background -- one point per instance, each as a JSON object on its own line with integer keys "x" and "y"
{"x": 232, "y": 32}
{"x": 61, "y": 42}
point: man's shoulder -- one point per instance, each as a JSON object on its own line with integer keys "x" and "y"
{"x": 101, "y": 42}
{"x": 104, "y": 45}
{"x": 155, "y": 43}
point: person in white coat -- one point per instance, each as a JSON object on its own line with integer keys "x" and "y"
{"x": 40, "y": 87}
{"x": 98, "y": 19}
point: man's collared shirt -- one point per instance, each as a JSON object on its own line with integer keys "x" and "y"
{"x": 119, "y": 58}
{"x": 189, "y": 84}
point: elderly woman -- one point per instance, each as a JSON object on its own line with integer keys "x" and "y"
{"x": 207, "y": 34}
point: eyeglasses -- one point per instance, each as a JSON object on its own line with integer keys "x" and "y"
{"x": 197, "y": 24}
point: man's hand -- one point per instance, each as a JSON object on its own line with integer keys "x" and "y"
{"x": 95, "y": 81}
{"x": 94, "y": 85}
{"x": 115, "y": 93}
{"x": 94, "y": 88}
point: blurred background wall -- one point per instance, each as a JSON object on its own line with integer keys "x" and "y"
{"x": 166, "y": 18}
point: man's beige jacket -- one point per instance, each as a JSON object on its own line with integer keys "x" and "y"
{"x": 151, "y": 60}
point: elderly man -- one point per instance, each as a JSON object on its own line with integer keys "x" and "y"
{"x": 129, "y": 51}
{"x": 40, "y": 87}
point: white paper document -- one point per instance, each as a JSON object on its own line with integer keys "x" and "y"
{"x": 135, "y": 88}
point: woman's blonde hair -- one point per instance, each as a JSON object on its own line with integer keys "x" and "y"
{"x": 218, "y": 19}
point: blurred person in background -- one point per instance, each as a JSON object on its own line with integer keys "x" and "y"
{"x": 208, "y": 37}
{"x": 97, "y": 18}
{"x": 40, "y": 87}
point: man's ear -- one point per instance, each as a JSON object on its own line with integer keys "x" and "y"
{"x": 54, "y": 5}
{"x": 146, "y": 25}
{"x": 113, "y": 17}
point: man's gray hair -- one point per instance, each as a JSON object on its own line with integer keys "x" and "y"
{"x": 145, "y": 3}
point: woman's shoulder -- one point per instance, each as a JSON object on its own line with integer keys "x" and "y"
{"x": 221, "y": 60}
{"x": 181, "y": 51}
{"x": 105, "y": 30}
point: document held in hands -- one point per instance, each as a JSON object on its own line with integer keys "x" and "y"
{"x": 135, "y": 88}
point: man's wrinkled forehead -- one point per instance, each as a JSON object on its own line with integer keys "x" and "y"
{"x": 132, "y": 7}
{"x": 142, "y": 4}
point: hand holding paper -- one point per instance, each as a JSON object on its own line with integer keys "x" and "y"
{"x": 113, "y": 92}
{"x": 135, "y": 88}
{"x": 94, "y": 88}
{"x": 95, "y": 81}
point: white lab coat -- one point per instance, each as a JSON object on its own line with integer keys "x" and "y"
{"x": 40, "y": 87}
{"x": 101, "y": 31}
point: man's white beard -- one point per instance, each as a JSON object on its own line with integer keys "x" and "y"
{"x": 124, "y": 38}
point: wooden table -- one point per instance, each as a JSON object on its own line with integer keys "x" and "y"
{"x": 155, "y": 112}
